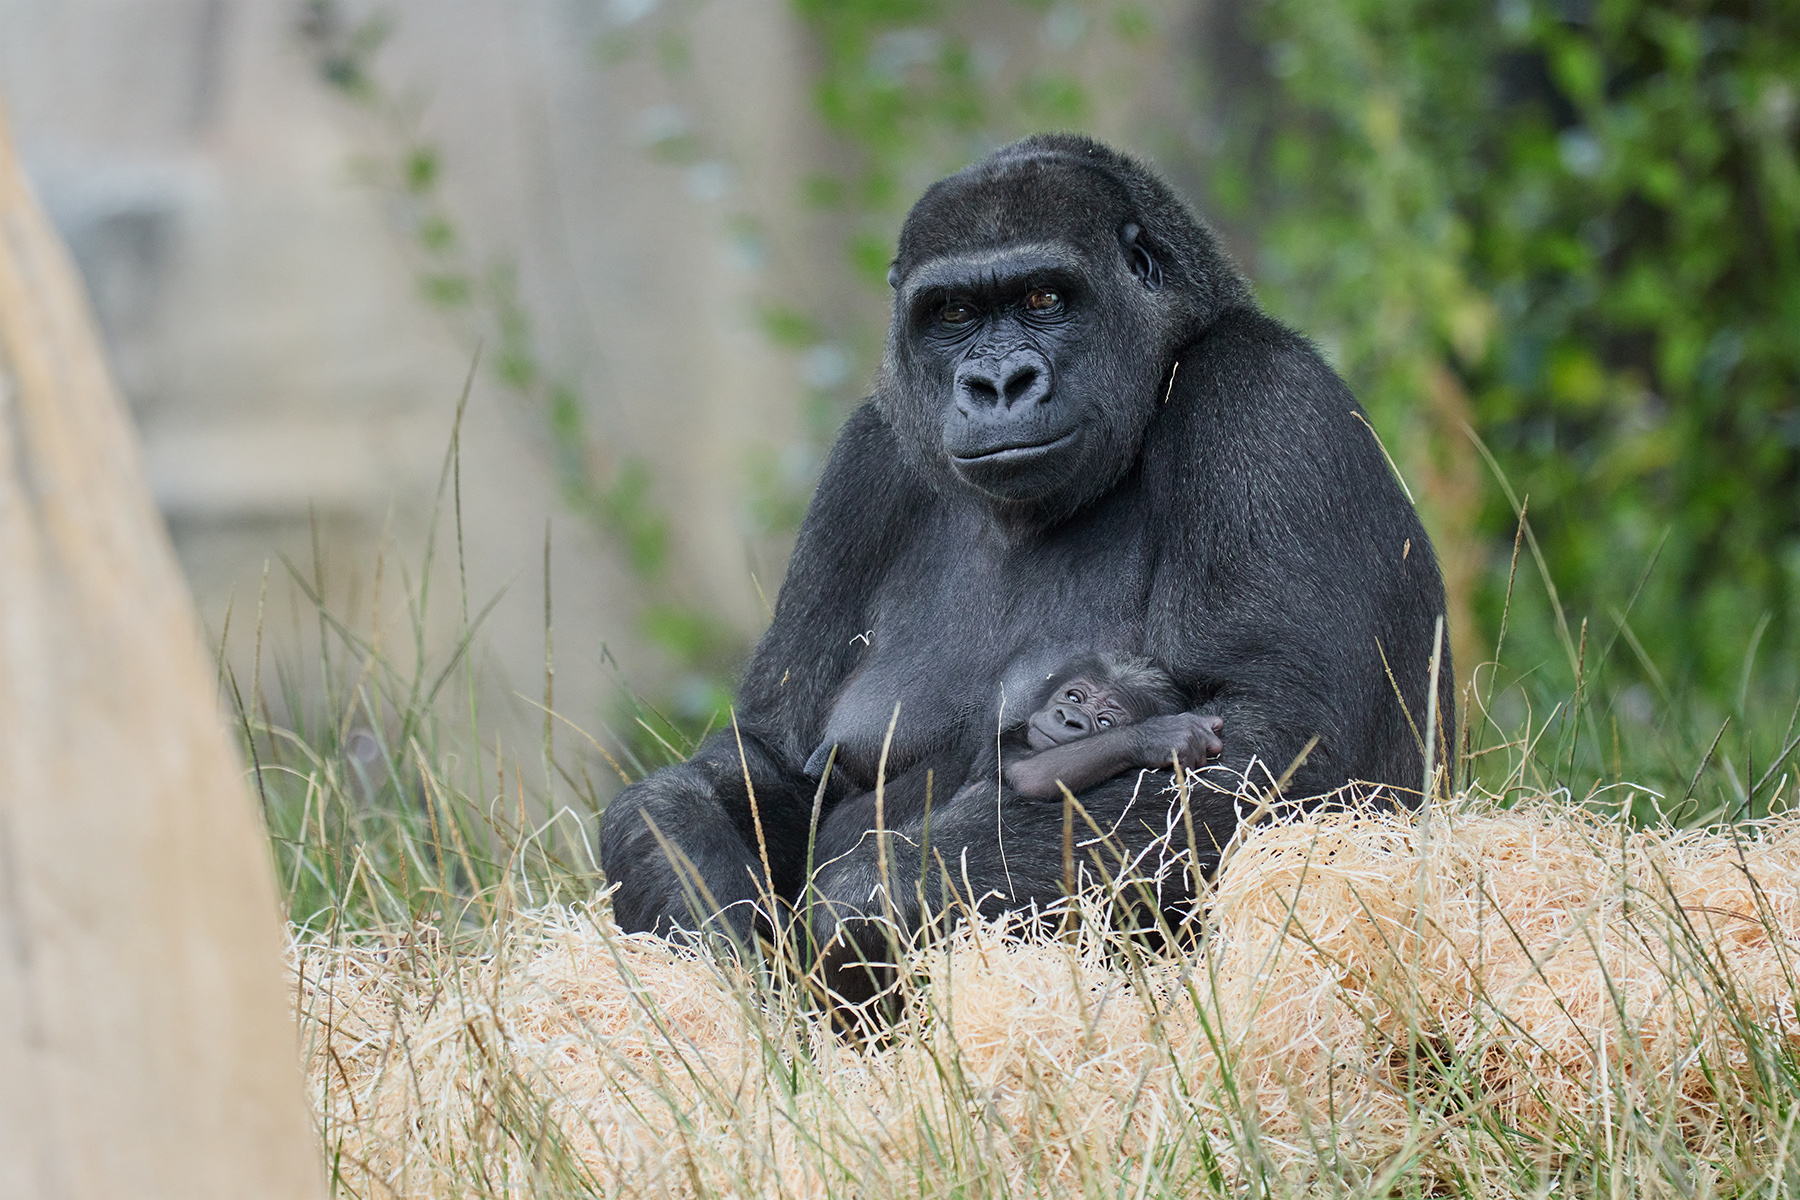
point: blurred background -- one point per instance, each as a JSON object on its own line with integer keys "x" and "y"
{"x": 503, "y": 339}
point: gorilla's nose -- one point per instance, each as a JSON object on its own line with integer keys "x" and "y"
{"x": 1072, "y": 719}
{"x": 1018, "y": 379}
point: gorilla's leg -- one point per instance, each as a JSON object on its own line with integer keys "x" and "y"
{"x": 699, "y": 870}
{"x": 686, "y": 845}
{"x": 865, "y": 888}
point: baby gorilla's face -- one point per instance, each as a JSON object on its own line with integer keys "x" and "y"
{"x": 1077, "y": 708}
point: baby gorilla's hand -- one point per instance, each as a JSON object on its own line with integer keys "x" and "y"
{"x": 1190, "y": 737}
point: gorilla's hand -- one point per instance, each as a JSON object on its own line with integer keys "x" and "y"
{"x": 1191, "y": 737}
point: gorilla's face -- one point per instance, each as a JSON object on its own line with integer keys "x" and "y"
{"x": 999, "y": 339}
{"x": 1027, "y": 354}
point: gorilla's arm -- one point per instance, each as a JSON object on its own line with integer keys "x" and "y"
{"x": 1080, "y": 764}
{"x": 1294, "y": 565}
{"x": 865, "y": 505}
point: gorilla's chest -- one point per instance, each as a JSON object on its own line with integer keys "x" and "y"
{"x": 965, "y": 627}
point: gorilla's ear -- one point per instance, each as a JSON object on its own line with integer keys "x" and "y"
{"x": 1137, "y": 255}
{"x": 894, "y": 276}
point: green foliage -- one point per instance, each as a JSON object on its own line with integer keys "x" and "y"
{"x": 1588, "y": 214}
{"x": 789, "y": 327}
{"x": 344, "y": 49}
{"x": 1054, "y": 100}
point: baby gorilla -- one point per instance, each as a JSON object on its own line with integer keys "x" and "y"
{"x": 1105, "y": 715}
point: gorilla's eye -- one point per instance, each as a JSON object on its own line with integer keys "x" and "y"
{"x": 1103, "y": 721}
{"x": 956, "y": 313}
{"x": 1042, "y": 300}
{"x": 1072, "y": 696}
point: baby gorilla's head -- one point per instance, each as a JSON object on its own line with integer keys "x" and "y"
{"x": 1096, "y": 692}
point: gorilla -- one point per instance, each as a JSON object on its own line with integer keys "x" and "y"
{"x": 1083, "y": 434}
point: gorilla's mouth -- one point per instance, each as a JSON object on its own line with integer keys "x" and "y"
{"x": 1001, "y": 456}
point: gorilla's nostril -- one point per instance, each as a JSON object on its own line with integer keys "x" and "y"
{"x": 1022, "y": 385}
{"x": 980, "y": 389}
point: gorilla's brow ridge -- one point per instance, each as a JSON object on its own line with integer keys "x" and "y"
{"x": 1005, "y": 262}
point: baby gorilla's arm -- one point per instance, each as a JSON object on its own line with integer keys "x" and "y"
{"x": 1082, "y": 763}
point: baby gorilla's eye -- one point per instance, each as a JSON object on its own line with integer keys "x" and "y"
{"x": 1104, "y": 722}
{"x": 1072, "y": 696}
{"x": 956, "y": 313}
{"x": 1042, "y": 300}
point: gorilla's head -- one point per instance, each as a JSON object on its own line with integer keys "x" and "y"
{"x": 1040, "y": 299}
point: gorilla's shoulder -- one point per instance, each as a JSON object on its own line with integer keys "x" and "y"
{"x": 1246, "y": 346}
{"x": 1265, "y": 417}
{"x": 869, "y": 462}
{"x": 865, "y": 436}
{"x": 868, "y": 484}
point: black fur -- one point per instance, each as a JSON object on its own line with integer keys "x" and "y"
{"x": 1216, "y": 503}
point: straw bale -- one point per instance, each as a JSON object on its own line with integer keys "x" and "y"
{"x": 1521, "y": 969}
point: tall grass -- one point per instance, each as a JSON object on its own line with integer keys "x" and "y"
{"x": 1574, "y": 976}
{"x": 1575, "y": 707}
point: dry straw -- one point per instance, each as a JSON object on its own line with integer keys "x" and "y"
{"x": 1485, "y": 1005}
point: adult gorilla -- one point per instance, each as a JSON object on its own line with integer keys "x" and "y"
{"x": 1084, "y": 436}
